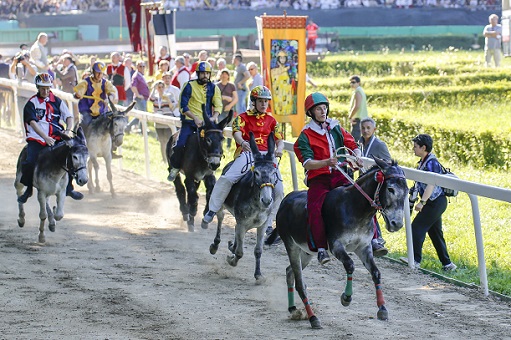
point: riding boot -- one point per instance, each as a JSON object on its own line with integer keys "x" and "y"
{"x": 70, "y": 190}
{"x": 220, "y": 192}
{"x": 28, "y": 193}
{"x": 175, "y": 162}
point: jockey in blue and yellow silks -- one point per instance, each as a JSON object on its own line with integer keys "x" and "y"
{"x": 195, "y": 93}
{"x": 261, "y": 124}
{"x": 93, "y": 92}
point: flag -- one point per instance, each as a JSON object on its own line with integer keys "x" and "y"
{"x": 133, "y": 20}
{"x": 164, "y": 31}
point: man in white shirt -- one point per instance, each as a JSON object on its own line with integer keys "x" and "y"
{"x": 38, "y": 53}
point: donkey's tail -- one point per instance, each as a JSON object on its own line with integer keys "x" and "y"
{"x": 273, "y": 236}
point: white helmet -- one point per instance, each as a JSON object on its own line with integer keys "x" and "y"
{"x": 44, "y": 79}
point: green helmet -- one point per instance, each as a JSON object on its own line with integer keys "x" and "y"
{"x": 314, "y": 99}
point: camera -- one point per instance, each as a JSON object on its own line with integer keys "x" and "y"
{"x": 413, "y": 197}
{"x": 19, "y": 57}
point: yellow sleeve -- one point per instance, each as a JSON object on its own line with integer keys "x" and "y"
{"x": 110, "y": 89}
{"x": 217, "y": 100}
{"x": 81, "y": 87}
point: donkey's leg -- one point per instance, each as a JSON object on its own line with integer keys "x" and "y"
{"x": 51, "y": 217}
{"x": 181, "y": 197}
{"x": 43, "y": 201}
{"x": 236, "y": 247}
{"x": 59, "y": 209}
{"x": 214, "y": 246}
{"x": 90, "y": 183}
{"x": 340, "y": 253}
{"x": 366, "y": 255}
{"x": 258, "y": 251}
{"x": 294, "y": 276}
{"x": 108, "y": 163}
{"x": 21, "y": 210}
{"x": 193, "y": 200}
{"x": 96, "y": 173}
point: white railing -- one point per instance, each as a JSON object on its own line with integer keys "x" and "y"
{"x": 471, "y": 188}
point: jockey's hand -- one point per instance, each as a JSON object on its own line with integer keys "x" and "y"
{"x": 68, "y": 133}
{"x": 50, "y": 141}
{"x": 246, "y": 146}
{"x": 77, "y": 96}
{"x": 359, "y": 162}
{"x": 332, "y": 162}
{"x": 197, "y": 121}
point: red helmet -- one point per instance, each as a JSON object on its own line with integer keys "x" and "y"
{"x": 314, "y": 99}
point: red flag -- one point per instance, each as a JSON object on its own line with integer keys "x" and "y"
{"x": 133, "y": 21}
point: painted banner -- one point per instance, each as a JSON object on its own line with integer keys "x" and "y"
{"x": 283, "y": 66}
{"x": 161, "y": 28}
{"x": 133, "y": 20}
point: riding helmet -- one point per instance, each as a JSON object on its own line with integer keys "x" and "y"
{"x": 43, "y": 79}
{"x": 99, "y": 67}
{"x": 314, "y": 99}
{"x": 260, "y": 91}
{"x": 203, "y": 66}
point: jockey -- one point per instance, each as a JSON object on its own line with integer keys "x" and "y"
{"x": 316, "y": 148}
{"x": 261, "y": 124}
{"x": 41, "y": 117}
{"x": 194, "y": 94}
{"x": 92, "y": 92}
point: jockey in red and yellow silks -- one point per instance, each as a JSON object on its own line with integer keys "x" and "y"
{"x": 261, "y": 124}
{"x": 316, "y": 148}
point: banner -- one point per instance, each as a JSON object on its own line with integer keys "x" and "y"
{"x": 161, "y": 28}
{"x": 283, "y": 66}
{"x": 133, "y": 20}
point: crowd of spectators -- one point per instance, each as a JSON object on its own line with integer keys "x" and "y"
{"x": 13, "y": 8}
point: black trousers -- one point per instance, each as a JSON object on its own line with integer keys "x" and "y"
{"x": 429, "y": 221}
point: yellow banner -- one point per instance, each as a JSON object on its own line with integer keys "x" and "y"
{"x": 283, "y": 66}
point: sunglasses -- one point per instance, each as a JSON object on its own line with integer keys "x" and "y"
{"x": 353, "y": 82}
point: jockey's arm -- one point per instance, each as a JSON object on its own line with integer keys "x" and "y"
{"x": 80, "y": 89}
{"x": 70, "y": 121}
{"x": 111, "y": 92}
{"x": 279, "y": 150}
{"x": 49, "y": 140}
{"x": 238, "y": 137}
{"x": 196, "y": 119}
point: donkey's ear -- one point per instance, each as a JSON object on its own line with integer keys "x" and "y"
{"x": 253, "y": 145}
{"x": 271, "y": 146}
{"x": 380, "y": 162}
{"x": 224, "y": 122}
{"x": 80, "y": 136}
{"x": 128, "y": 109}
{"x": 207, "y": 120}
{"x": 112, "y": 105}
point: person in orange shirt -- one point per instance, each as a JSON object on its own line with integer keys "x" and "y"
{"x": 261, "y": 124}
{"x": 312, "y": 34}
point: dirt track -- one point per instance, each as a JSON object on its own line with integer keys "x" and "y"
{"x": 127, "y": 269}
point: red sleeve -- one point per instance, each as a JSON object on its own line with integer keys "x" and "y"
{"x": 194, "y": 67}
{"x": 349, "y": 141}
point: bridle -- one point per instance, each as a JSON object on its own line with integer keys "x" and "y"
{"x": 201, "y": 133}
{"x": 111, "y": 116}
{"x": 266, "y": 184}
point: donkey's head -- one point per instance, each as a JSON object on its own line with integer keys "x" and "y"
{"x": 212, "y": 135}
{"x": 265, "y": 170}
{"x": 77, "y": 157}
{"x": 393, "y": 193}
{"x": 118, "y": 123}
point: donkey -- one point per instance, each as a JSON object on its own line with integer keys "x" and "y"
{"x": 202, "y": 156}
{"x": 100, "y": 134}
{"x": 51, "y": 177}
{"x": 348, "y": 214}
{"x": 251, "y": 201}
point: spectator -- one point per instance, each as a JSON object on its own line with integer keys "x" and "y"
{"x": 164, "y": 55}
{"x": 163, "y": 66}
{"x": 188, "y": 64}
{"x": 140, "y": 91}
{"x": 128, "y": 63}
{"x": 4, "y": 68}
{"x": 38, "y": 53}
{"x": 373, "y": 146}
{"x": 358, "y": 106}
{"x": 493, "y": 41}
{"x": 229, "y": 97}
{"x": 312, "y": 34}
{"x": 163, "y": 103}
{"x": 172, "y": 91}
{"x": 240, "y": 81}
{"x": 212, "y": 62}
{"x": 88, "y": 71}
{"x": 257, "y": 79}
{"x": 67, "y": 73}
{"x": 203, "y": 56}
{"x": 431, "y": 206}
{"x": 221, "y": 64}
{"x": 120, "y": 76}
{"x": 181, "y": 75}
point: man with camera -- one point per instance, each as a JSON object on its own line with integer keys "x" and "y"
{"x": 23, "y": 70}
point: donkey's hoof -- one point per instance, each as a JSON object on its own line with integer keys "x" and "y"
{"x": 204, "y": 225}
{"x": 186, "y": 217}
{"x": 315, "y": 323}
{"x": 213, "y": 248}
{"x": 21, "y": 222}
{"x": 260, "y": 279}
{"x": 191, "y": 228}
{"x": 383, "y": 314}
{"x": 232, "y": 260}
{"x": 42, "y": 239}
{"x": 51, "y": 226}
{"x": 230, "y": 246}
{"x": 345, "y": 300}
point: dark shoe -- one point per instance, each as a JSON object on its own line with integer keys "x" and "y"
{"x": 208, "y": 218}
{"x": 75, "y": 195}
{"x": 24, "y": 197}
{"x": 323, "y": 257}
{"x": 116, "y": 156}
{"x": 172, "y": 175}
{"x": 378, "y": 249}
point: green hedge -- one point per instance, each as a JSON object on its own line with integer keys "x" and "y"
{"x": 436, "y": 43}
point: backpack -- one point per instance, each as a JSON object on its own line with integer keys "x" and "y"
{"x": 449, "y": 192}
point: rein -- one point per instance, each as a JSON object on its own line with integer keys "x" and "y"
{"x": 204, "y": 153}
